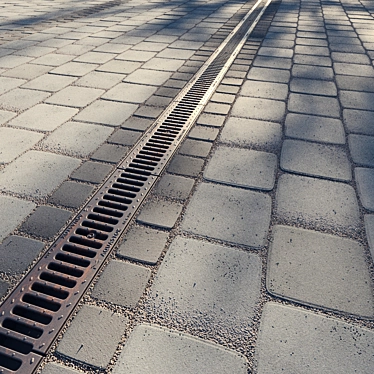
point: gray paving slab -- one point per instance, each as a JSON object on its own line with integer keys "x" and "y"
{"x": 137, "y": 123}
{"x": 269, "y": 75}
{"x": 352, "y": 83}
{"x": 292, "y": 338}
{"x": 54, "y": 59}
{"x": 270, "y": 62}
{"x": 124, "y": 137}
{"x": 185, "y": 165}
{"x": 7, "y": 84}
{"x": 320, "y": 270}
{"x": 37, "y": 173}
{"x": 168, "y": 351}
{"x": 242, "y": 168}
{"x": 53, "y": 368}
{"x": 119, "y": 67}
{"x": 27, "y": 71}
{"x": 80, "y": 339}
{"x": 71, "y": 194}
{"x": 357, "y": 58}
{"x": 255, "y": 108}
{"x": 5, "y": 116}
{"x": 131, "y": 93}
{"x": 266, "y": 90}
{"x": 315, "y": 128}
{"x": 313, "y": 86}
{"x": 16, "y": 210}
{"x": 148, "y": 111}
{"x": 275, "y": 52}
{"x": 313, "y": 104}
{"x": 95, "y": 57}
{"x": 3, "y": 287}
{"x": 245, "y": 220}
{"x": 12, "y": 61}
{"x": 317, "y": 202}
{"x": 21, "y": 99}
{"x": 111, "y": 153}
{"x": 45, "y": 221}
{"x": 362, "y": 149}
{"x": 92, "y": 172}
{"x": 353, "y": 69}
{"x": 315, "y": 160}
{"x": 357, "y": 100}
{"x": 365, "y": 181}
{"x": 43, "y": 117}
{"x": 215, "y": 108}
{"x": 223, "y": 97}
{"x": 13, "y": 142}
{"x": 249, "y": 132}
{"x": 205, "y": 297}
{"x": 195, "y": 148}
{"x": 311, "y": 50}
{"x": 77, "y": 139}
{"x": 122, "y": 283}
{"x": 160, "y": 213}
{"x": 174, "y": 186}
{"x": 98, "y": 79}
{"x": 17, "y": 253}
{"x": 312, "y": 72}
{"x": 204, "y": 133}
{"x": 143, "y": 244}
{"x": 369, "y": 226}
{"x": 49, "y": 82}
{"x": 74, "y": 69}
{"x": 73, "y": 96}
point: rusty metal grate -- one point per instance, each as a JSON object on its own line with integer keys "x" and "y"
{"x": 32, "y": 316}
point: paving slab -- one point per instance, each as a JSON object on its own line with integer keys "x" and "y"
{"x": 362, "y": 149}
{"x": 80, "y": 339}
{"x": 242, "y": 168}
{"x": 292, "y": 338}
{"x": 312, "y": 60}
{"x": 249, "y": 132}
{"x": 353, "y": 69}
{"x": 16, "y": 210}
{"x": 124, "y": 137}
{"x": 168, "y": 351}
{"x": 352, "y": 83}
{"x": 143, "y": 244}
{"x": 357, "y": 100}
{"x": 13, "y": 142}
{"x": 195, "y": 148}
{"x": 52, "y": 368}
{"x": 111, "y": 153}
{"x": 369, "y": 226}
{"x": 266, "y": 90}
{"x": 74, "y": 69}
{"x": 313, "y": 86}
{"x": 245, "y": 220}
{"x": 98, "y": 79}
{"x": 270, "y": 62}
{"x": 73, "y": 96}
{"x": 54, "y": 59}
{"x": 77, "y": 139}
{"x": 320, "y": 270}
{"x": 204, "y": 133}
{"x": 71, "y": 194}
{"x": 5, "y": 116}
{"x": 185, "y": 165}
{"x": 147, "y": 76}
{"x": 317, "y": 202}
{"x": 92, "y": 172}
{"x": 3, "y": 287}
{"x": 11, "y": 61}
{"x": 315, "y": 160}
{"x": 17, "y": 253}
{"x": 50, "y": 82}
{"x": 315, "y": 128}
{"x": 160, "y": 213}
{"x": 119, "y": 67}
{"x": 7, "y": 84}
{"x": 27, "y": 71}
{"x": 21, "y": 99}
{"x": 122, "y": 283}
{"x": 95, "y": 57}
{"x": 37, "y": 173}
{"x": 205, "y": 297}
{"x": 45, "y": 221}
{"x": 313, "y": 104}
{"x": 43, "y": 117}
{"x": 255, "y": 108}
{"x": 269, "y": 75}
{"x": 131, "y": 93}
{"x": 174, "y": 186}
{"x": 365, "y": 181}
{"x": 312, "y": 72}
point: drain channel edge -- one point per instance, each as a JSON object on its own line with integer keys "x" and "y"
{"x": 34, "y": 313}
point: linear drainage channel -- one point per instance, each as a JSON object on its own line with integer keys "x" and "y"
{"x": 35, "y": 312}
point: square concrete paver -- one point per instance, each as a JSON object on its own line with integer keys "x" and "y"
{"x": 357, "y": 100}
{"x": 106, "y": 112}
{"x": 317, "y": 202}
{"x": 7, "y": 84}
{"x": 266, "y": 90}
{"x": 50, "y": 82}
{"x": 122, "y": 283}
{"x": 37, "y": 173}
{"x": 315, "y": 159}
{"x": 160, "y": 213}
{"x": 77, "y": 138}
{"x": 168, "y": 351}
{"x": 119, "y": 67}
{"x": 185, "y": 165}
{"x": 200, "y": 284}
{"x": 131, "y": 93}
{"x": 43, "y": 117}
{"x": 263, "y": 109}
{"x": 174, "y": 186}
{"x": 143, "y": 244}
{"x": 52, "y": 368}
{"x": 315, "y": 128}
{"x": 13, "y": 142}
{"x": 359, "y": 121}
{"x": 16, "y": 210}
{"x": 111, "y": 153}
{"x": 17, "y": 253}
{"x": 124, "y": 137}
{"x": 93, "y": 172}
{"x": 365, "y": 181}
{"x": 74, "y": 69}
{"x": 21, "y": 99}
{"x": 195, "y": 148}
{"x": 249, "y": 132}
{"x": 320, "y": 270}
{"x": 5, "y": 116}
{"x": 362, "y": 149}
{"x": 80, "y": 340}
{"x": 230, "y": 214}
{"x": 242, "y": 168}
{"x": 292, "y": 338}
{"x": 97, "y": 79}
{"x": 71, "y": 194}
{"x": 147, "y": 76}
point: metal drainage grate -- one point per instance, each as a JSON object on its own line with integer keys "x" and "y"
{"x": 32, "y": 316}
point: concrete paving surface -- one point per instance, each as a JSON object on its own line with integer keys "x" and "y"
{"x": 254, "y": 252}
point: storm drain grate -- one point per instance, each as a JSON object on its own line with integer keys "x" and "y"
{"x": 34, "y": 313}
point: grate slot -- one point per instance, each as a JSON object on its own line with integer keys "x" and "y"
{"x": 135, "y": 177}
{"x": 139, "y": 160}
{"x": 79, "y": 250}
{"x": 156, "y": 143}
{"x": 41, "y": 302}
{"x": 150, "y": 153}
{"x": 111, "y": 205}
{"x": 70, "y": 259}
{"x": 98, "y": 217}
{"x": 141, "y": 166}
{"x": 85, "y": 242}
{"x": 32, "y": 315}
{"x": 117, "y": 199}
{"x": 150, "y": 158}
{"x": 128, "y": 185}
{"x": 9, "y": 363}
{"x": 119, "y": 192}
{"x": 50, "y": 291}
{"x": 56, "y": 279}
{"x": 91, "y": 234}
{"x": 22, "y": 328}
{"x": 14, "y": 344}
{"x": 108, "y": 212}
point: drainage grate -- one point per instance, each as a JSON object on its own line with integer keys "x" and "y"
{"x": 32, "y": 316}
